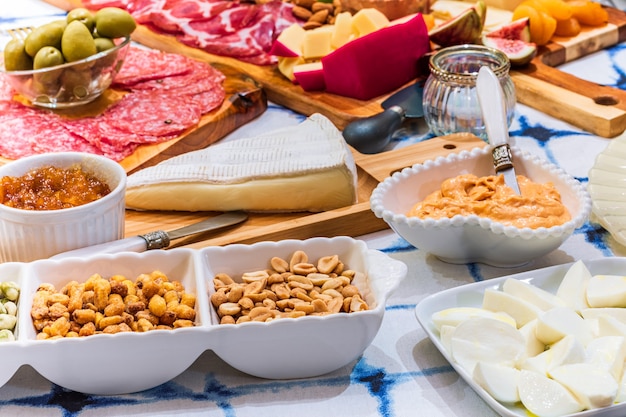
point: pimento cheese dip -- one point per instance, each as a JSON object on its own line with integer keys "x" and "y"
{"x": 538, "y": 205}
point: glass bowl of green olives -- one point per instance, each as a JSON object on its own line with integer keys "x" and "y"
{"x": 69, "y": 62}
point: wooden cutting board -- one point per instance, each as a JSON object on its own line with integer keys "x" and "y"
{"x": 599, "y": 110}
{"x": 355, "y": 220}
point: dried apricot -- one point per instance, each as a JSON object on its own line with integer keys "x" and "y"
{"x": 558, "y": 9}
{"x": 589, "y": 13}
{"x": 542, "y": 25}
{"x": 568, "y": 27}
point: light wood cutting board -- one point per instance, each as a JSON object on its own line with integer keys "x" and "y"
{"x": 599, "y": 110}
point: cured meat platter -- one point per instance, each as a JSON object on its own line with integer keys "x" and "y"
{"x": 599, "y": 110}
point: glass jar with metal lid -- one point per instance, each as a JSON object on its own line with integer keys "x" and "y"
{"x": 450, "y": 100}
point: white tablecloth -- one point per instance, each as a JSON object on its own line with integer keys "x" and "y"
{"x": 401, "y": 373}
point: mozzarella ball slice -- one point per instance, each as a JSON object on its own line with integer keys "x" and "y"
{"x": 499, "y": 381}
{"x": 592, "y": 386}
{"x": 545, "y": 397}
{"x": 486, "y": 340}
{"x": 456, "y": 315}
{"x": 532, "y": 294}
{"x": 608, "y": 352}
{"x": 573, "y": 287}
{"x": 606, "y": 291}
{"x": 521, "y": 311}
{"x": 554, "y": 324}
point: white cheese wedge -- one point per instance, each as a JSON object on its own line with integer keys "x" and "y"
{"x": 608, "y": 352}
{"x": 565, "y": 351}
{"x": 593, "y": 387}
{"x": 606, "y": 291}
{"x": 554, "y": 324}
{"x": 621, "y": 390}
{"x": 486, "y": 340}
{"x": 545, "y": 397}
{"x": 521, "y": 310}
{"x": 532, "y": 294}
{"x": 456, "y": 315}
{"x": 308, "y": 167}
{"x": 593, "y": 313}
{"x": 533, "y": 345}
{"x": 609, "y": 326}
{"x": 573, "y": 287}
{"x": 445, "y": 335}
{"x": 499, "y": 381}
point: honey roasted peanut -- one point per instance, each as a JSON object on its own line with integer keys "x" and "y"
{"x": 288, "y": 289}
{"x": 113, "y": 305}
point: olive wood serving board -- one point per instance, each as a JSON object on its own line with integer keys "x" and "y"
{"x": 596, "y": 109}
{"x": 354, "y": 220}
{"x": 244, "y": 100}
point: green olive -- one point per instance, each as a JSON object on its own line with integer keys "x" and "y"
{"x": 48, "y": 56}
{"x": 15, "y": 56}
{"x": 103, "y": 44}
{"x": 76, "y": 81}
{"x": 77, "y": 42}
{"x": 112, "y": 22}
{"x": 49, "y": 34}
{"x": 82, "y": 15}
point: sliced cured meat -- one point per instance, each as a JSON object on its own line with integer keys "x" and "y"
{"x": 148, "y": 64}
{"x": 147, "y": 114}
{"x": 199, "y": 76}
{"x": 25, "y": 131}
{"x": 236, "y": 29}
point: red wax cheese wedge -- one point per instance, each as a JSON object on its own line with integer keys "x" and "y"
{"x": 310, "y": 76}
{"x": 377, "y": 63}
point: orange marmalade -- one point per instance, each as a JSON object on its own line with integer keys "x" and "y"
{"x": 538, "y": 205}
{"x": 50, "y": 188}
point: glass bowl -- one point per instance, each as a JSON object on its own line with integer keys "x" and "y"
{"x": 71, "y": 84}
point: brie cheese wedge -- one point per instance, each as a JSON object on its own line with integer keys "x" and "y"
{"x": 308, "y": 167}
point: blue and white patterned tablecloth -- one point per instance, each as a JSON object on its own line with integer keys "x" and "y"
{"x": 401, "y": 374}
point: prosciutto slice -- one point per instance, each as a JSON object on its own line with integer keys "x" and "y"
{"x": 235, "y": 29}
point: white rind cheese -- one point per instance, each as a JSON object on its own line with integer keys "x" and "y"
{"x": 307, "y": 167}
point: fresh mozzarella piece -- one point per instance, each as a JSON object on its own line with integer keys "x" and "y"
{"x": 608, "y": 352}
{"x": 499, "y": 381}
{"x": 486, "y": 340}
{"x": 606, "y": 291}
{"x": 554, "y": 324}
{"x": 521, "y": 311}
{"x": 594, "y": 313}
{"x": 532, "y": 294}
{"x": 573, "y": 287}
{"x": 609, "y": 326}
{"x": 621, "y": 390}
{"x": 456, "y": 315}
{"x": 445, "y": 334}
{"x": 533, "y": 345}
{"x": 545, "y": 397}
{"x": 593, "y": 387}
{"x": 567, "y": 350}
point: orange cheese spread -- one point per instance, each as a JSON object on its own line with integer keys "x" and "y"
{"x": 539, "y": 205}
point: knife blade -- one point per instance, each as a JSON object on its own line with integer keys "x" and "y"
{"x": 371, "y": 134}
{"x": 157, "y": 239}
{"x": 491, "y": 100}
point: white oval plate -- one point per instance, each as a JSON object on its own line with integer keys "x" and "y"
{"x": 471, "y": 295}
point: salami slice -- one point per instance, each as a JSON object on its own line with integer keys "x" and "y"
{"x": 143, "y": 65}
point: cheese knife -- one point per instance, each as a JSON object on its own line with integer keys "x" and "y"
{"x": 491, "y": 100}
{"x": 371, "y": 134}
{"x": 158, "y": 239}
